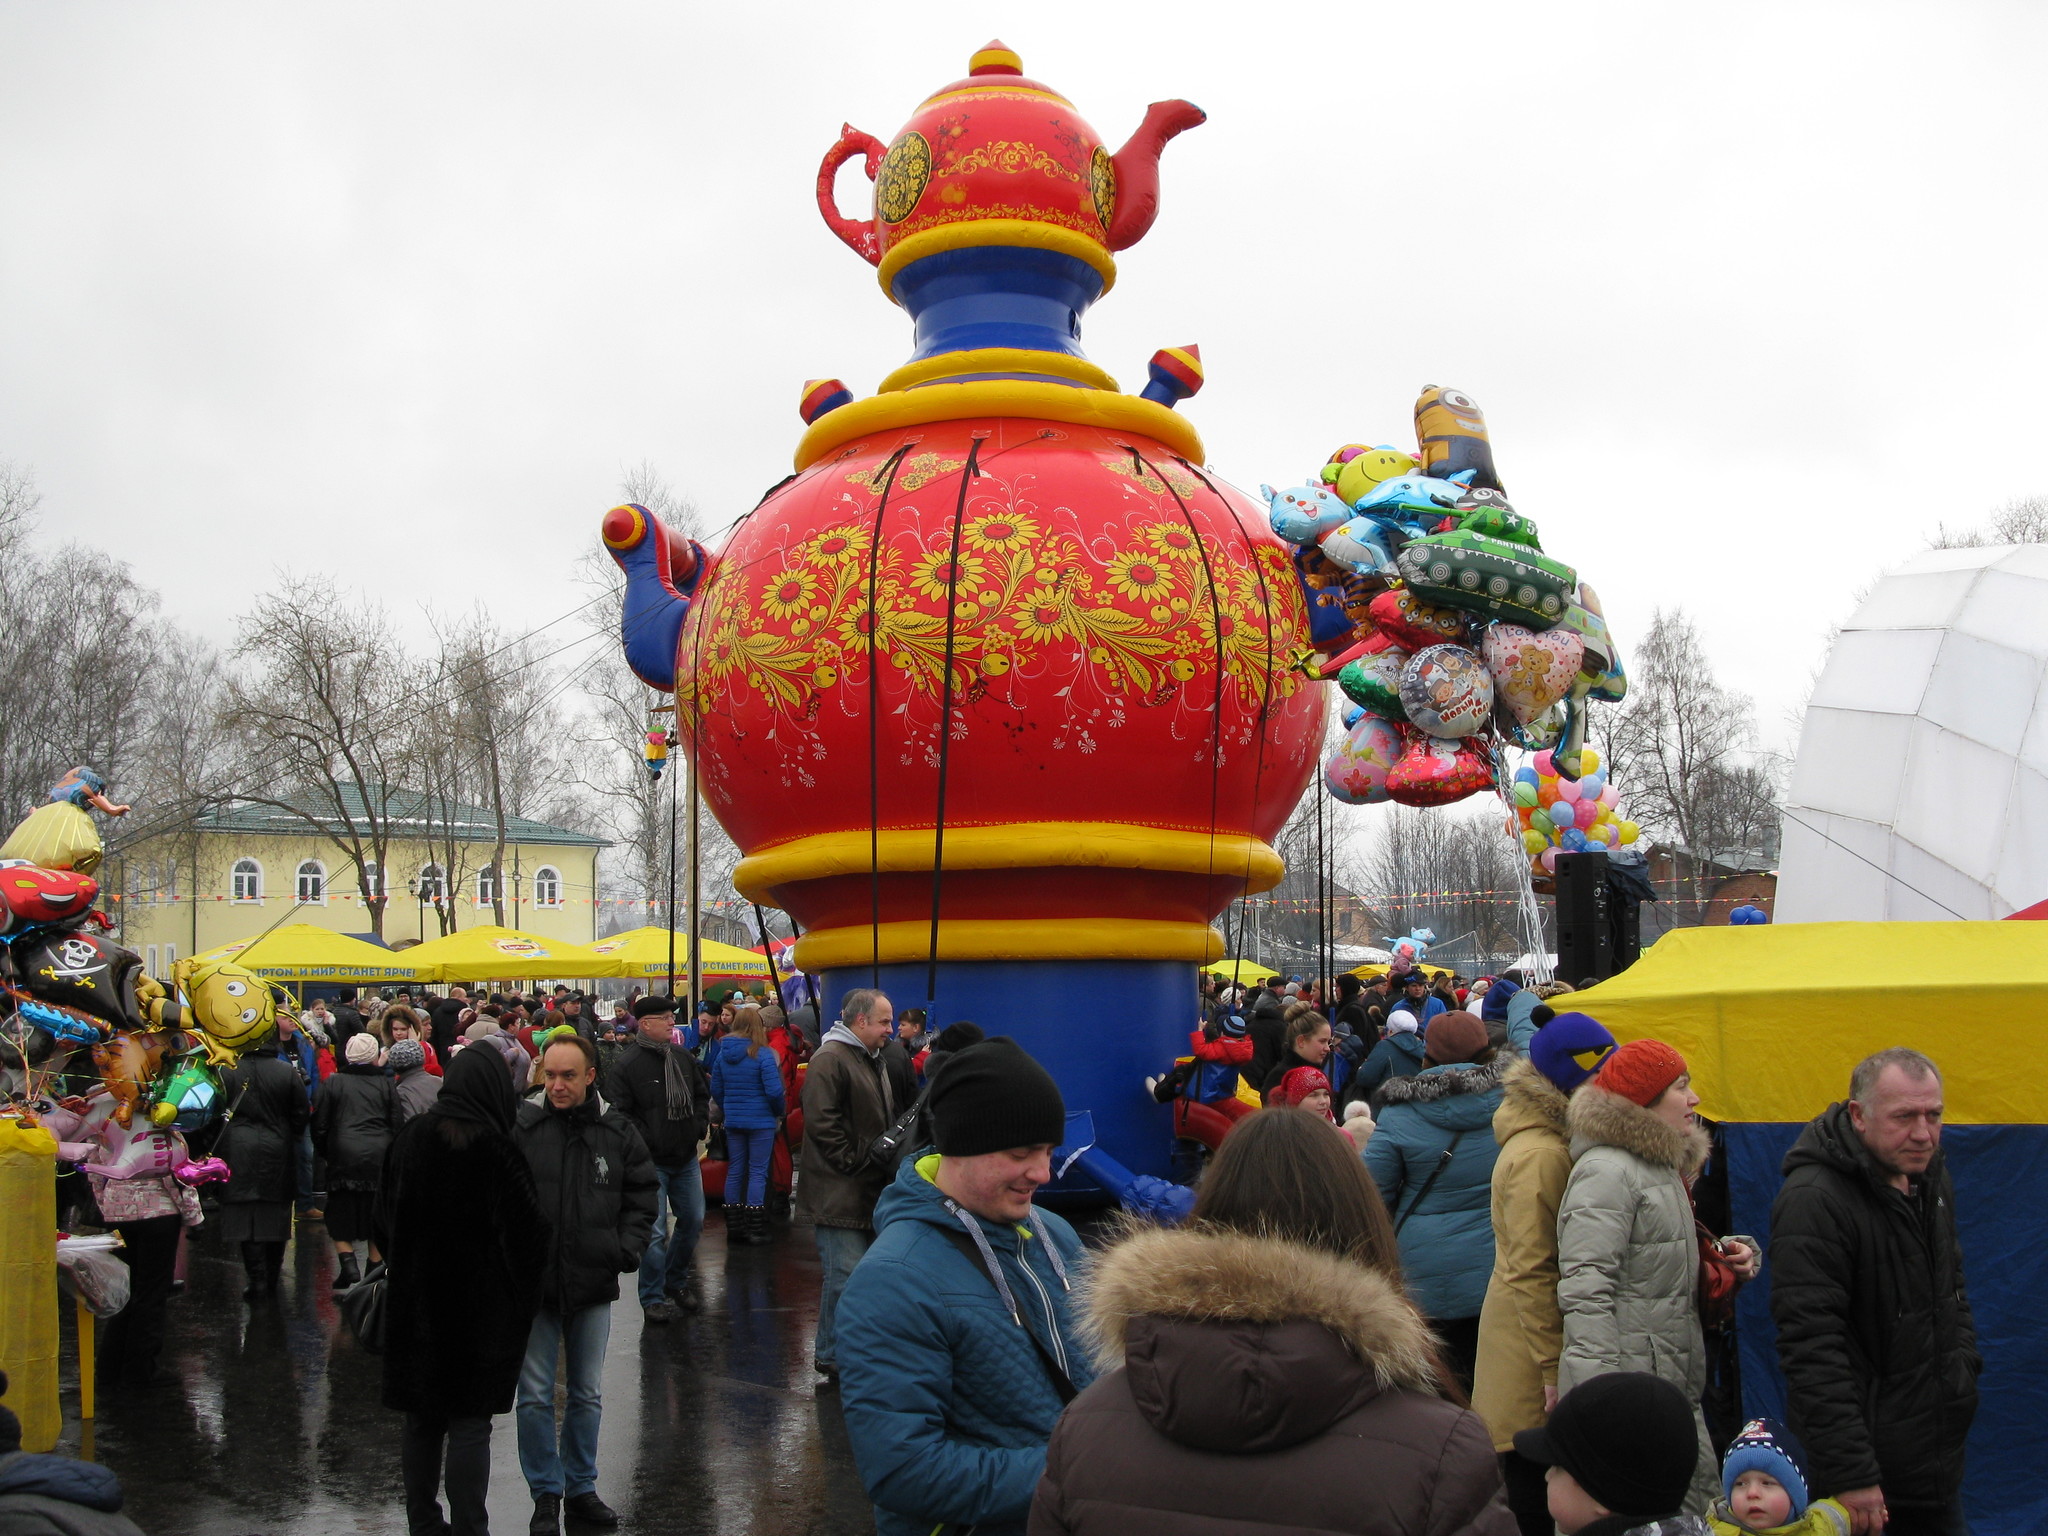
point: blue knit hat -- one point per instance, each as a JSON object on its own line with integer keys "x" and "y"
{"x": 1494, "y": 1006}
{"x": 1570, "y": 1048}
{"x": 1233, "y": 1027}
{"x": 1767, "y": 1446}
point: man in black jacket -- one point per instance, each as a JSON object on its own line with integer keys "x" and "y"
{"x": 663, "y": 1088}
{"x": 597, "y": 1187}
{"x": 1874, "y": 1330}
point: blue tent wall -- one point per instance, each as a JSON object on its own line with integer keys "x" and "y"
{"x": 2000, "y": 1172}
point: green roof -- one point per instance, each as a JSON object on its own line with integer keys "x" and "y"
{"x": 409, "y": 813}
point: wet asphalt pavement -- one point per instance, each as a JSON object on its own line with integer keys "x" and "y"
{"x": 271, "y": 1422}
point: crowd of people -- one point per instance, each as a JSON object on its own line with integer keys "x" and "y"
{"x": 1443, "y": 1272}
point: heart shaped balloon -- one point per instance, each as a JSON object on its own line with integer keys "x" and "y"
{"x": 1357, "y": 771}
{"x": 1433, "y": 771}
{"x": 1531, "y": 672}
{"x": 1412, "y": 623}
{"x": 1446, "y": 692}
{"x": 1374, "y": 682}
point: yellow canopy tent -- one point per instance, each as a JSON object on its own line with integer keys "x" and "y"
{"x": 304, "y": 952}
{"x": 643, "y": 952}
{"x": 1771, "y": 1018}
{"x": 491, "y": 953}
{"x": 1371, "y": 969}
{"x": 1241, "y": 971}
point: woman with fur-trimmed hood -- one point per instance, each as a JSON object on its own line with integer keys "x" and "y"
{"x": 1263, "y": 1371}
{"x": 1628, "y": 1255}
{"x": 1521, "y": 1330}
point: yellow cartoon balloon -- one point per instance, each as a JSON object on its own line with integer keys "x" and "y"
{"x": 1360, "y": 474}
{"x": 232, "y": 1008}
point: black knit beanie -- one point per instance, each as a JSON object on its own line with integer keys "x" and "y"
{"x": 993, "y": 1097}
{"x": 1627, "y": 1438}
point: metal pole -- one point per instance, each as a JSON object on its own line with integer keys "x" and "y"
{"x": 696, "y": 889}
{"x": 670, "y": 914}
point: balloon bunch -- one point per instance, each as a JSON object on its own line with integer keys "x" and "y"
{"x": 1434, "y": 608}
{"x": 1555, "y": 814}
{"x": 67, "y": 991}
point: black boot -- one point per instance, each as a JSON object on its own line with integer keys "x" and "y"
{"x": 254, "y": 1267}
{"x": 346, "y": 1273}
{"x": 273, "y": 1265}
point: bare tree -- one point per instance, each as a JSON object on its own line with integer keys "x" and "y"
{"x": 321, "y": 721}
{"x": 1683, "y": 749}
{"x": 2023, "y": 520}
{"x": 1451, "y": 870}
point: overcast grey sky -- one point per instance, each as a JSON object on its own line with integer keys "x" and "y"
{"x": 395, "y": 292}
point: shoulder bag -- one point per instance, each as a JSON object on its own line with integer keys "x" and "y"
{"x": 362, "y": 1308}
{"x": 1442, "y": 1162}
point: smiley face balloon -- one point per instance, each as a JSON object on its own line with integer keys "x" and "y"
{"x": 232, "y": 1007}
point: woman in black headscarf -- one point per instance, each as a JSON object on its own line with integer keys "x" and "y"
{"x": 464, "y": 1238}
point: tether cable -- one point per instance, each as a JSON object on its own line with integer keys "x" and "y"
{"x": 1216, "y": 627}
{"x": 1265, "y": 707}
{"x": 967, "y": 478}
{"x": 893, "y": 463}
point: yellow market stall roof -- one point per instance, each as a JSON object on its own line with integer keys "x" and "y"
{"x": 643, "y": 952}
{"x": 491, "y": 953}
{"x": 303, "y": 952}
{"x": 1772, "y": 1018}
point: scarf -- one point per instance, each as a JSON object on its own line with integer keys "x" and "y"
{"x": 675, "y": 1082}
{"x": 475, "y": 1088}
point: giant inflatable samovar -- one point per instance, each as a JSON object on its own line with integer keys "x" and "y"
{"x": 1002, "y": 677}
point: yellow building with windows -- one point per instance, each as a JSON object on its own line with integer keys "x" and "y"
{"x": 244, "y": 868}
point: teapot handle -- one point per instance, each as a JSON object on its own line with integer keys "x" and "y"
{"x": 858, "y": 233}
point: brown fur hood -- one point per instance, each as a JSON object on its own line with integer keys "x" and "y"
{"x": 1530, "y": 1102}
{"x": 1598, "y": 1118}
{"x": 1198, "y": 1275}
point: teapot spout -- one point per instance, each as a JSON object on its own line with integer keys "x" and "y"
{"x": 1137, "y": 169}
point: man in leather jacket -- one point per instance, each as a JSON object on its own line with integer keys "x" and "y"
{"x": 597, "y": 1186}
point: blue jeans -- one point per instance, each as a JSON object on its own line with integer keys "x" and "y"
{"x": 570, "y": 1466}
{"x": 746, "y": 1170}
{"x": 666, "y": 1263}
{"x": 839, "y": 1250}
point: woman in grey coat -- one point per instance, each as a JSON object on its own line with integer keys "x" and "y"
{"x": 1628, "y": 1255}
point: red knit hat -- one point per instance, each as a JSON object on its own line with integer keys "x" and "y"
{"x": 1298, "y": 1085}
{"x": 1640, "y": 1071}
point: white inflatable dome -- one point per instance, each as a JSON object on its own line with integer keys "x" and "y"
{"x": 1921, "y": 786}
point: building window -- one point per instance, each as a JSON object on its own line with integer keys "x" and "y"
{"x": 248, "y": 880}
{"x": 170, "y": 892}
{"x": 373, "y": 878}
{"x": 547, "y": 886}
{"x": 149, "y": 960}
{"x": 312, "y": 883}
{"x": 170, "y": 957}
{"x": 433, "y": 886}
{"x": 486, "y": 887}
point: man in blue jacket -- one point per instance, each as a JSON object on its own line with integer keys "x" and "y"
{"x": 949, "y": 1404}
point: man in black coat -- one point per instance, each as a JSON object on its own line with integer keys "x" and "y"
{"x": 1268, "y": 1026}
{"x": 1874, "y": 1330}
{"x": 348, "y": 1020}
{"x": 663, "y": 1089}
{"x": 597, "y": 1188}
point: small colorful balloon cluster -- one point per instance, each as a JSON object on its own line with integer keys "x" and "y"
{"x": 1554, "y": 814}
{"x": 1433, "y": 607}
